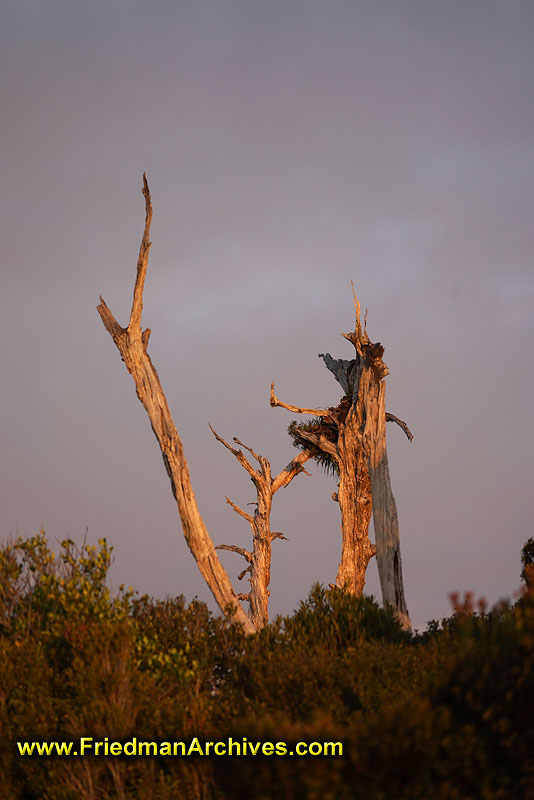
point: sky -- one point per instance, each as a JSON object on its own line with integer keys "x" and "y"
{"x": 290, "y": 148}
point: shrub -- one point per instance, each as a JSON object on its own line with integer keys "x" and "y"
{"x": 446, "y": 714}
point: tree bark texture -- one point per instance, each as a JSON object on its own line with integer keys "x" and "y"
{"x": 355, "y": 503}
{"x": 354, "y": 491}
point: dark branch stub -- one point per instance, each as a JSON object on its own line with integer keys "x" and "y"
{"x": 401, "y": 424}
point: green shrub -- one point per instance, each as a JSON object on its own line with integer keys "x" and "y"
{"x": 445, "y": 714}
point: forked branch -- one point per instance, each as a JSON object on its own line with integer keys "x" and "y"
{"x": 237, "y": 453}
{"x": 260, "y": 559}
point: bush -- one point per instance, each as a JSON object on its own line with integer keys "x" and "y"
{"x": 446, "y": 714}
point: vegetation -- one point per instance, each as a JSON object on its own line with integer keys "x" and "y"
{"x": 443, "y": 714}
{"x": 527, "y": 559}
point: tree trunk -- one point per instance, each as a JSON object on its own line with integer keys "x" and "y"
{"x": 355, "y": 505}
{"x": 132, "y": 344}
{"x": 364, "y": 377}
{"x": 358, "y": 450}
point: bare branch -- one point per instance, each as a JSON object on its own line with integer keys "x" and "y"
{"x": 400, "y": 423}
{"x": 318, "y": 412}
{"x": 240, "y": 511}
{"x": 250, "y": 450}
{"x": 134, "y": 326}
{"x": 278, "y": 535}
{"x": 244, "y": 597}
{"x": 254, "y": 474}
{"x": 293, "y": 469}
{"x": 233, "y": 549}
{"x": 223, "y": 441}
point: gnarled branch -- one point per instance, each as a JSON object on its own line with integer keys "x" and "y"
{"x": 233, "y": 549}
{"x": 275, "y": 402}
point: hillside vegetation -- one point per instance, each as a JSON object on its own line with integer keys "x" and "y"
{"x": 444, "y": 714}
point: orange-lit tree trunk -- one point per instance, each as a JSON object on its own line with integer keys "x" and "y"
{"x": 351, "y": 438}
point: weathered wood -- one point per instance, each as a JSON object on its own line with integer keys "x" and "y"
{"x": 262, "y": 537}
{"x": 364, "y": 377}
{"x": 233, "y": 549}
{"x": 132, "y": 344}
{"x": 274, "y": 401}
{"x": 359, "y": 454}
{"x": 355, "y": 503}
{"x": 385, "y": 517}
{"x": 354, "y": 488}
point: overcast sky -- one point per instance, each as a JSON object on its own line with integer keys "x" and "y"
{"x": 290, "y": 147}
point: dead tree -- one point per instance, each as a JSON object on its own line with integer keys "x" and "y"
{"x": 259, "y": 560}
{"x": 351, "y": 439}
{"x": 132, "y": 343}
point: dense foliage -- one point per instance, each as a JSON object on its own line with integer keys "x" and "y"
{"x": 445, "y": 714}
